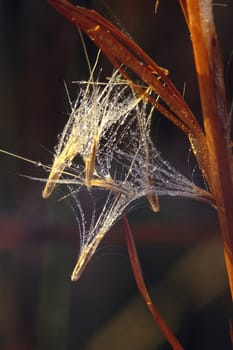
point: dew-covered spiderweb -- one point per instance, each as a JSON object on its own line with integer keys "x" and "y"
{"x": 109, "y": 127}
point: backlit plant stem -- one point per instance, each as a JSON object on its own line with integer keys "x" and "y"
{"x": 215, "y": 117}
{"x": 137, "y": 271}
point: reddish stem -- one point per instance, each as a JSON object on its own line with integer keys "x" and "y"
{"x": 137, "y": 271}
{"x": 213, "y": 100}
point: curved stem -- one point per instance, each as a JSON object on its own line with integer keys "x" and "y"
{"x": 137, "y": 271}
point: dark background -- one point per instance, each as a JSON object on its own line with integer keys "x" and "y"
{"x": 180, "y": 247}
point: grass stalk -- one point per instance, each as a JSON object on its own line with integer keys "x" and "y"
{"x": 209, "y": 70}
{"x": 137, "y": 271}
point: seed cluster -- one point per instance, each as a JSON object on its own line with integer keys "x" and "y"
{"x": 107, "y": 159}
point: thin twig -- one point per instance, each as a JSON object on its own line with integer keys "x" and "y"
{"x": 137, "y": 271}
